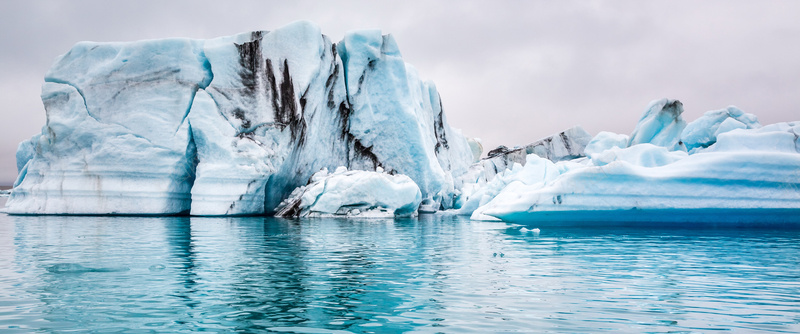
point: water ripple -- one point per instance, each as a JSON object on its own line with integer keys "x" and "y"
{"x": 179, "y": 274}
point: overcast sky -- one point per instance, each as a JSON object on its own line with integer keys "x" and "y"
{"x": 509, "y": 72}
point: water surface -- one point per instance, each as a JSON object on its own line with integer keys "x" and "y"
{"x": 429, "y": 275}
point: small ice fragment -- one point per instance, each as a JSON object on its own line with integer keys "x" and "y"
{"x": 157, "y": 267}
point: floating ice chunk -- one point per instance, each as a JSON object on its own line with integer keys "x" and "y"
{"x": 354, "y": 193}
{"x": 661, "y": 124}
{"x": 703, "y": 131}
{"x": 428, "y": 206}
{"x": 536, "y": 172}
{"x": 752, "y": 168}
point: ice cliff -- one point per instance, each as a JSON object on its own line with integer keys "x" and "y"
{"x": 230, "y": 126}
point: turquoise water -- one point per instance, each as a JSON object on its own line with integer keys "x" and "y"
{"x": 429, "y": 275}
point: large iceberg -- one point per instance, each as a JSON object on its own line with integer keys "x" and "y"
{"x": 733, "y": 163}
{"x": 230, "y": 126}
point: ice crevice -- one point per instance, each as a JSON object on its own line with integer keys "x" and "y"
{"x": 77, "y": 89}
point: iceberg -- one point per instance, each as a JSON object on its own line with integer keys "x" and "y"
{"x": 250, "y": 124}
{"x": 743, "y": 169}
{"x": 733, "y": 163}
{"x": 232, "y": 125}
{"x": 353, "y": 194}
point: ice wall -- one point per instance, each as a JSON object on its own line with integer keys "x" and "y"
{"x": 116, "y": 139}
{"x": 230, "y": 126}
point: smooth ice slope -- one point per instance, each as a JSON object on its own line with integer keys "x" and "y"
{"x": 354, "y": 194}
{"x": 231, "y": 125}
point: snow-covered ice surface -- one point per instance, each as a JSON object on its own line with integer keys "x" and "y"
{"x": 743, "y": 169}
{"x": 353, "y": 194}
{"x": 230, "y": 126}
{"x": 703, "y": 132}
{"x": 732, "y": 164}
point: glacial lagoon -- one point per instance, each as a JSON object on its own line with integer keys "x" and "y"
{"x": 429, "y": 274}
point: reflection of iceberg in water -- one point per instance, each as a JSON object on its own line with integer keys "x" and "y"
{"x": 253, "y": 274}
{"x": 247, "y": 272}
{"x": 75, "y": 268}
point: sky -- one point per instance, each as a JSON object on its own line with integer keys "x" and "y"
{"x": 508, "y": 72}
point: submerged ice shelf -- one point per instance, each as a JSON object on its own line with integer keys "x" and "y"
{"x": 243, "y": 125}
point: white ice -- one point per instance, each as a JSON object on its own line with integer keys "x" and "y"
{"x": 356, "y": 194}
{"x": 703, "y": 132}
{"x": 753, "y": 168}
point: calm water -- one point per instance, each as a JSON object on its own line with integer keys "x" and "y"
{"x": 133, "y": 274}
